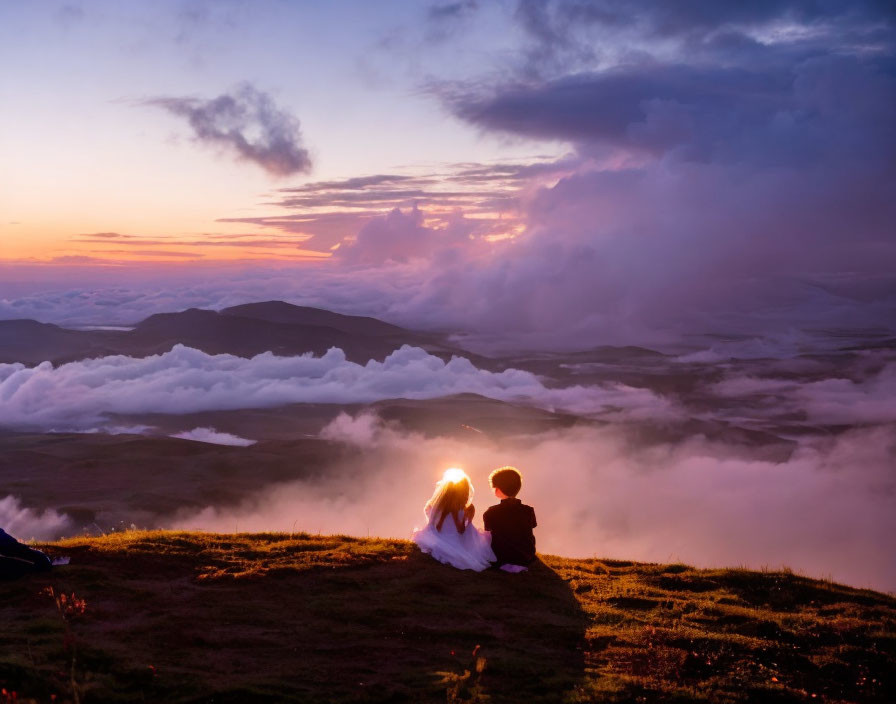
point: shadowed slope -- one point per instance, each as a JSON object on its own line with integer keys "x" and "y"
{"x": 245, "y": 331}
{"x": 187, "y": 617}
{"x": 280, "y": 312}
{"x": 31, "y": 342}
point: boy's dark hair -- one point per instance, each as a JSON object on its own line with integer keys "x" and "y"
{"x": 507, "y": 479}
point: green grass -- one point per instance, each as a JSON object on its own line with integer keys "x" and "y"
{"x": 194, "y": 617}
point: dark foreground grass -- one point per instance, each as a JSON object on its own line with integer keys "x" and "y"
{"x": 191, "y": 617}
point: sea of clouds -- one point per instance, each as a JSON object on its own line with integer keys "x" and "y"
{"x": 183, "y": 380}
{"x": 824, "y": 508}
{"x": 83, "y": 395}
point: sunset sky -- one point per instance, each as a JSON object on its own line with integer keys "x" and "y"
{"x": 91, "y": 149}
{"x": 582, "y": 170}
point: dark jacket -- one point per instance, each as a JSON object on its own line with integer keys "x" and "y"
{"x": 511, "y": 523}
{"x": 17, "y": 559}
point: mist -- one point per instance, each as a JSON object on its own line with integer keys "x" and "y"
{"x": 826, "y": 511}
{"x": 210, "y": 435}
{"x": 31, "y": 524}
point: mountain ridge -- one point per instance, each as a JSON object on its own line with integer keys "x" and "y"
{"x": 245, "y": 330}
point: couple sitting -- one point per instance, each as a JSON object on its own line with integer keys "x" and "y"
{"x": 450, "y": 536}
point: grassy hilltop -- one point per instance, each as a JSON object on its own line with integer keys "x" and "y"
{"x": 193, "y": 617}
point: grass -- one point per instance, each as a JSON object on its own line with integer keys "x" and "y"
{"x": 195, "y": 617}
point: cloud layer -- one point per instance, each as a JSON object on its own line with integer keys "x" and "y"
{"x": 184, "y": 380}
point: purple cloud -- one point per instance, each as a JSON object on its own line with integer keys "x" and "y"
{"x": 781, "y": 115}
{"x": 401, "y": 237}
{"x": 567, "y": 36}
{"x": 228, "y": 120}
{"x": 186, "y": 380}
{"x": 730, "y": 184}
{"x": 335, "y": 211}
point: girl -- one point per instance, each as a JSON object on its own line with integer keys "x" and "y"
{"x": 449, "y": 534}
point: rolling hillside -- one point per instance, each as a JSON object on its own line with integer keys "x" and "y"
{"x": 188, "y": 617}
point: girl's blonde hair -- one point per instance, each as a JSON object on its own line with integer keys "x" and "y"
{"x": 453, "y": 493}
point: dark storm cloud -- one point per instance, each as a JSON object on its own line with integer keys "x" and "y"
{"x": 760, "y": 81}
{"x": 694, "y": 16}
{"x": 232, "y": 121}
{"x": 737, "y": 171}
{"x": 573, "y": 31}
{"x": 782, "y": 114}
{"x": 649, "y": 107}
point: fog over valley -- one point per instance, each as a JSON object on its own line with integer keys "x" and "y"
{"x": 697, "y": 456}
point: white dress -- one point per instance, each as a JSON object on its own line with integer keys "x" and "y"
{"x": 470, "y": 550}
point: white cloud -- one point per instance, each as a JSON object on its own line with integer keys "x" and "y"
{"x": 186, "y": 380}
{"x": 27, "y": 523}
{"x": 210, "y": 435}
{"x": 363, "y": 430}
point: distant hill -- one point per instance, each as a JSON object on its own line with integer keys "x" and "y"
{"x": 220, "y": 333}
{"x": 286, "y": 313}
{"x": 31, "y": 342}
{"x": 196, "y": 617}
{"x": 245, "y": 331}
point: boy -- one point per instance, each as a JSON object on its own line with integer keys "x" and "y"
{"x": 510, "y": 522}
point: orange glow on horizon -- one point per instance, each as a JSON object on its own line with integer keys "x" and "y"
{"x": 38, "y": 245}
{"x": 121, "y": 239}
